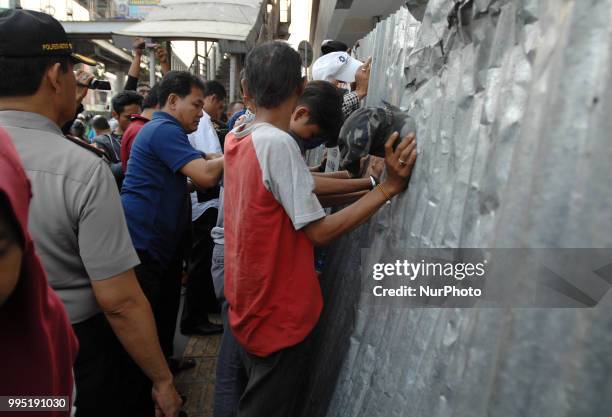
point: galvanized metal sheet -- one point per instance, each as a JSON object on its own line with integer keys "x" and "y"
{"x": 512, "y": 100}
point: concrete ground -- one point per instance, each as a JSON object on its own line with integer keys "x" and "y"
{"x": 198, "y": 383}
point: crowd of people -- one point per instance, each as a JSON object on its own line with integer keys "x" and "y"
{"x": 98, "y": 231}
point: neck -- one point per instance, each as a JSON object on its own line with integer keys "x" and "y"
{"x": 279, "y": 117}
{"x": 32, "y": 104}
{"x": 148, "y": 113}
{"x": 170, "y": 112}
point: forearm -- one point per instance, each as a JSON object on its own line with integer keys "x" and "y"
{"x": 399, "y": 163}
{"x": 328, "y": 185}
{"x": 165, "y": 68}
{"x": 336, "y": 174}
{"x": 134, "y": 70}
{"x": 210, "y": 175}
{"x": 335, "y": 200}
{"x": 135, "y": 328}
{"x": 329, "y": 228}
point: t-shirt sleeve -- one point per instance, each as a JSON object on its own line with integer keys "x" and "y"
{"x": 105, "y": 245}
{"x": 286, "y": 176}
{"x": 173, "y": 148}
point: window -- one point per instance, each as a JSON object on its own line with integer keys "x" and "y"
{"x": 284, "y": 10}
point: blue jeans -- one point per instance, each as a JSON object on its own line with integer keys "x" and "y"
{"x": 231, "y": 374}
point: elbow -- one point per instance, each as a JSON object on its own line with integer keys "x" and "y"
{"x": 121, "y": 308}
{"x": 205, "y": 182}
{"x": 317, "y": 238}
{"x": 210, "y": 181}
{"x": 320, "y": 242}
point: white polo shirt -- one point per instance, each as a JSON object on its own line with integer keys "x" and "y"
{"x": 205, "y": 140}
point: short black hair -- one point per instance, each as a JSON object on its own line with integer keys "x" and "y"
{"x": 22, "y": 76}
{"x": 324, "y": 102}
{"x": 333, "y": 46}
{"x": 125, "y": 98}
{"x": 273, "y": 72}
{"x": 152, "y": 99}
{"x": 100, "y": 123}
{"x": 78, "y": 128}
{"x": 179, "y": 83}
{"x": 233, "y": 104}
{"x": 214, "y": 87}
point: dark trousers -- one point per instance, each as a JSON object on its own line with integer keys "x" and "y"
{"x": 162, "y": 287}
{"x": 274, "y": 382}
{"x": 97, "y": 370}
{"x": 249, "y": 386}
{"x": 200, "y": 295}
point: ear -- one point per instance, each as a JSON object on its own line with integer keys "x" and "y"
{"x": 172, "y": 100}
{"x": 245, "y": 95}
{"x": 300, "y": 112}
{"x": 54, "y": 77}
{"x": 115, "y": 114}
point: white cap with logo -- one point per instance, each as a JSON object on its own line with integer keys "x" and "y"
{"x": 336, "y": 66}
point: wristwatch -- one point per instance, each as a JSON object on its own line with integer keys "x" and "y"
{"x": 374, "y": 181}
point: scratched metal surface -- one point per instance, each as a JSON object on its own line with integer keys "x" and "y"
{"x": 513, "y": 102}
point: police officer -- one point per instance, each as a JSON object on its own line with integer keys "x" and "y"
{"x": 78, "y": 225}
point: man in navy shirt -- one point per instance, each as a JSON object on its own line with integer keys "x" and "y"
{"x": 155, "y": 193}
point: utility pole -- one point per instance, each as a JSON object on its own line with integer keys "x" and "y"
{"x": 151, "y": 67}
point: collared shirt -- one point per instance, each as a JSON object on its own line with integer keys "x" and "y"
{"x": 38, "y": 345}
{"x": 76, "y": 218}
{"x": 350, "y": 103}
{"x": 205, "y": 140}
{"x": 136, "y": 123}
{"x": 154, "y": 190}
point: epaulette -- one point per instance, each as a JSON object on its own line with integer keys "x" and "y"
{"x": 84, "y": 145}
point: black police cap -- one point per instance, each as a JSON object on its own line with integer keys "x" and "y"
{"x": 26, "y": 33}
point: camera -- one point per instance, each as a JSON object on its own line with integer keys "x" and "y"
{"x": 99, "y": 85}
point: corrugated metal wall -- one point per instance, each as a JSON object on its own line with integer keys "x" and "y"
{"x": 513, "y": 101}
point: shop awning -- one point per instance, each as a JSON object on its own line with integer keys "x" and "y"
{"x": 199, "y": 19}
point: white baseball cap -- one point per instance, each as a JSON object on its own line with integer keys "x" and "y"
{"x": 336, "y": 66}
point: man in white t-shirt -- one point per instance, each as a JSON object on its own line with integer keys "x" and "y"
{"x": 200, "y": 297}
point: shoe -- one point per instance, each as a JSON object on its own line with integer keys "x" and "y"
{"x": 204, "y": 329}
{"x": 177, "y": 366}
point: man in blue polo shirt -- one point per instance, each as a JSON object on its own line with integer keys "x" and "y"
{"x": 155, "y": 194}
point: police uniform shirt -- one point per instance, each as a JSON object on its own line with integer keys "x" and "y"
{"x": 76, "y": 218}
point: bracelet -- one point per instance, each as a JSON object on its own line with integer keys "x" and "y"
{"x": 384, "y": 192}
{"x": 373, "y": 181}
